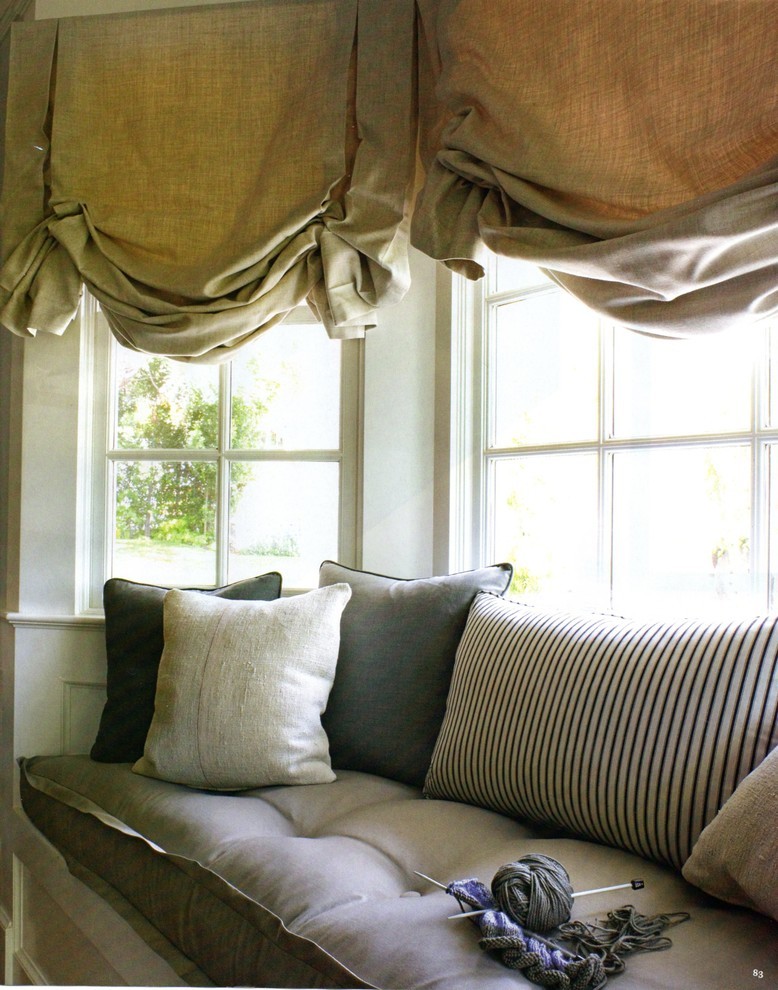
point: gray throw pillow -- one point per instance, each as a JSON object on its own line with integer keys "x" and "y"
{"x": 241, "y": 689}
{"x": 398, "y": 643}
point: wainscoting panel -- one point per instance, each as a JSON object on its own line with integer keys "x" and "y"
{"x": 64, "y": 934}
{"x": 82, "y": 705}
{"x": 59, "y": 684}
{"x": 40, "y": 925}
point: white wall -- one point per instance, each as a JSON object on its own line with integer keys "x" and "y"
{"x": 399, "y": 432}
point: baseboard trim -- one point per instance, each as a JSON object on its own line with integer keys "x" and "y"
{"x": 6, "y": 927}
{"x": 21, "y": 961}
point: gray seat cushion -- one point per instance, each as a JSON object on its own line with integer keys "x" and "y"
{"x": 332, "y": 866}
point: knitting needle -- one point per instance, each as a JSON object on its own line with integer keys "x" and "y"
{"x": 634, "y": 884}
{"x": 436, "y": 882}
{"x": 466, "y": 914}
{"x": 469, "y": 914}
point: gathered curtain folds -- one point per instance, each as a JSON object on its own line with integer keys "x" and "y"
{"x": 203, "y": 171}
{"x": 628, "y": 147}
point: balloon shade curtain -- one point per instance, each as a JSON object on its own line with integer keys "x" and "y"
{"x": 205, "y": 170}
{"x": 630, "y": 147}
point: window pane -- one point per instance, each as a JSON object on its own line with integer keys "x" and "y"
{"x": 165, "y": 522}
{"x": 284, "y": 517}
{"x": 772, "y": 460}
{"x": 545, "y": 371}
{"x": 510, "y": 274}
{"x": 666, "y": 387}
{"x": 772, "y": 376}
{"x": 545, "y": 524}
{"x": 164, "y": 404}
{"x": 682, "y": 529}
{"x": 286, "y": 391}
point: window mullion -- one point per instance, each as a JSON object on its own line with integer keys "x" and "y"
{"x": 605, "y": 464}
{"x": 768, "y": 462}
{"x": 761, "y": 461}
{"x": 160, "y": 454}
{"x": 607, "y": 522}
{"x": 223, "y": 474}
{"x": 767, "y": 550}
{"x": 760, "y": 522}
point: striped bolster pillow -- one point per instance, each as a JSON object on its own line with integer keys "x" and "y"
{"x": 632, "y": 734}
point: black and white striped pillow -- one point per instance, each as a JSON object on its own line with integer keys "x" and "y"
{"x": 633, "y": 734}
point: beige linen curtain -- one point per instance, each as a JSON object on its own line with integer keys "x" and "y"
{"x": 205, "y": 170}
{"x": 630, "y": 147}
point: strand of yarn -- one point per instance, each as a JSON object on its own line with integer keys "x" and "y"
{"x": 624, "y": 931}
{"x": 535, "y": 891}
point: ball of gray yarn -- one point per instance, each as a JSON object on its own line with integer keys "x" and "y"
{"x": 534, "y": 891}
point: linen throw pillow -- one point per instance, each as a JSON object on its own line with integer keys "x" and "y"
{"x": 398, "y": 642}
{"x": 633, "y": 734}
{"x": 241, "y": 689}
{"x": 736, "y": 857}
{"x": 133, "y": 642}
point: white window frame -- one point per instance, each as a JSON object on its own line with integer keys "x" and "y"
{"x": 97, "y": 458}
{"x": 471, "y": 461}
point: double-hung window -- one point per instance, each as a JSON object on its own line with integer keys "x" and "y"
{"x": 614, "y": 469}
{"x": 206, "y": 474}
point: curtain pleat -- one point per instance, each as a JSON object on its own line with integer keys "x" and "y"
{"x": 204, "y": 171}
{"x": 629, "y": 148}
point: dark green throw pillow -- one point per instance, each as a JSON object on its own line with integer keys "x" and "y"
{"x": 134, "y": 642}
{"x": 398, "y": 641}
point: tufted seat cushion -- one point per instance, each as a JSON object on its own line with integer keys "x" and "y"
{"x": 319, "y": 880}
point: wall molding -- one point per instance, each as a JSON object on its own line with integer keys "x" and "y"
{"x": 7, "y": 935}
{"x": 27, "y": 620}
{"x": 21, "y": 958}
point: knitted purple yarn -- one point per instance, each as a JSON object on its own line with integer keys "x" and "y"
{"x": 535, "y": 891}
